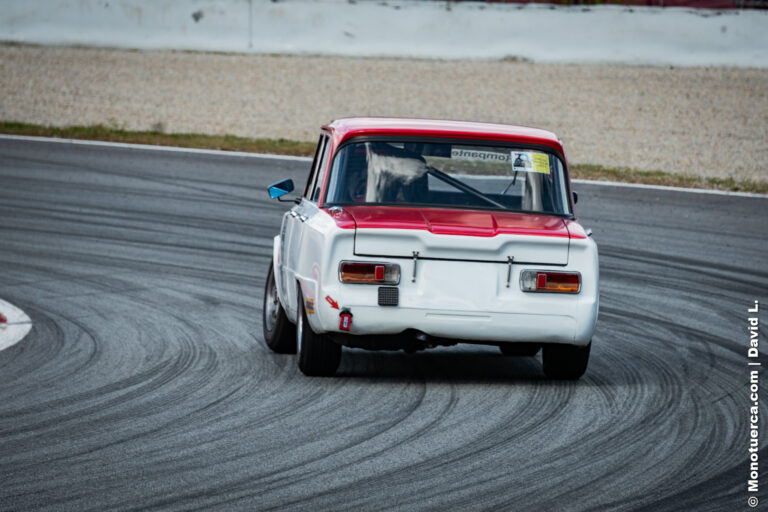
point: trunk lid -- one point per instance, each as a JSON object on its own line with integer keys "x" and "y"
{"x": 449, "y": 234}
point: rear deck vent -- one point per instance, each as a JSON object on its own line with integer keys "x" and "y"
{"x": 388, "y": 296}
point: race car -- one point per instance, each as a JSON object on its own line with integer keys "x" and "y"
{"x": 412, "y": 234}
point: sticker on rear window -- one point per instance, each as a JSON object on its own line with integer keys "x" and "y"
{"x": 540, "y": 163}
{"x": 527, "y": 161}
{"x": 461, "y": 153}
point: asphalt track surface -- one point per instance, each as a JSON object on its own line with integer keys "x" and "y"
{"x": 145, "y": 382}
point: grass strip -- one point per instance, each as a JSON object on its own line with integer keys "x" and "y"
{"x": 159, "y": 138}
{"x": 627, "y": 175}
{"x": 115, "y": 133}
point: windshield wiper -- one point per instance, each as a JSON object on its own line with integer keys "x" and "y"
{"x": 514, "y": 179}
{"x": 463, "y": 187}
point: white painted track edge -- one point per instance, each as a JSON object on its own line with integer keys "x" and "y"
{"x": 175, "y": 149}
{"x": 17, "y": 327}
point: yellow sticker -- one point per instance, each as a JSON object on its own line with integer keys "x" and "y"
{"x": 540, "y": 163}
{"x": 309, "y": 306}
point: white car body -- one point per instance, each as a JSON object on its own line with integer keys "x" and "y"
{"x": 462, "y": 300}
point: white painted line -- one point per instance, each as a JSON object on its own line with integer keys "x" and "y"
{"x": 219, "y": 152}
{"x": 675, "y": 189}
{"x": 16, "y": 328}
{"x": 174, "y": 149}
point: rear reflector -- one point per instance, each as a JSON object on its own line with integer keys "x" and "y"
{"x": 369, "y": 273}
{"x": 555, "y": 282}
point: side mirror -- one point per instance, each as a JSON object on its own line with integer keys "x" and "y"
{"x": 575, "y": 198}
{"x": 280, "y": 188}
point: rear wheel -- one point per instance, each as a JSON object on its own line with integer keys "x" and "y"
{"x": 279, "y": 332}
{"x": 566, "y": 362}
{"x": 519, "y": 349}
{"x": 318, "y": 355}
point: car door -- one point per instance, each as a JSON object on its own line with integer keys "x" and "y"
{"x": 293, "y": 227}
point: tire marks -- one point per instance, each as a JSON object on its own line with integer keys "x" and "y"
{"x": 145, "y": 384}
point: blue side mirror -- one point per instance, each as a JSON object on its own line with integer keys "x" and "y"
{"x": 280, "y": 188}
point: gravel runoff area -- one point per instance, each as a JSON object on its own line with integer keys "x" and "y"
{"x": 702, "y": 121}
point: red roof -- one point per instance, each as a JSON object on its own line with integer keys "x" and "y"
{"x": 345, "y": 128}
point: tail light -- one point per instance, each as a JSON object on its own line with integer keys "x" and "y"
{"x": 555, "y": 282}
{"x": 369, "y": 273}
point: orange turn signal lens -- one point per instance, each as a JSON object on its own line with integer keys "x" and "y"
{"x": 369, "y": 273}
{"x": 555, "y": 282}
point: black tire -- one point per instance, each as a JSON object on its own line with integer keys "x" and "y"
{"x": 318, "y": 355}
{"x": 279, "y": 332}
{"x": 520, "y": 349}
{"x": 565, "y": 362}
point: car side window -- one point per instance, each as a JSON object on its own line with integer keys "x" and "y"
{"x": 320, "y": 175}
{"x": 316, "y": 166}
{"x": 321, "y": 142}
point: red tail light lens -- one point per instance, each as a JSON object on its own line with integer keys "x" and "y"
{"x": 555, "y": 282}
{"x": 369, "y": 273}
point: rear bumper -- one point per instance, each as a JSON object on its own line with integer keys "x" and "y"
{"x": 469, "y": 302}
{"x": 468, "y": 326}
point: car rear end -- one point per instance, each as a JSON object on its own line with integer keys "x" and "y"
{"x": 537, "y": 285}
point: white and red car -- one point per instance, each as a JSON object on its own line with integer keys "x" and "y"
{"x": 412, "y": 234}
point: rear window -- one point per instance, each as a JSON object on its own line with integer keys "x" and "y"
{"x": 448, "y": 175}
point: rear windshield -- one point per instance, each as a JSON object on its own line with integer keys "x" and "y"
{"x": 448, "y": 175}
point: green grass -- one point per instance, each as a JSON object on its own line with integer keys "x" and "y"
{"x": 627, "y": 175}
{"x": 115, "y": 133}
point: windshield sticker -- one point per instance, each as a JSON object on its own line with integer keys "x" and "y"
{"x": 527, "y": 161}
{"x": 540, "y": 163}
{"x": 485, "y": 156}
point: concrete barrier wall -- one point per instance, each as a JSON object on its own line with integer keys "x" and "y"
{"x": 220, "y": 25}
{"x": 542, "y": 33}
